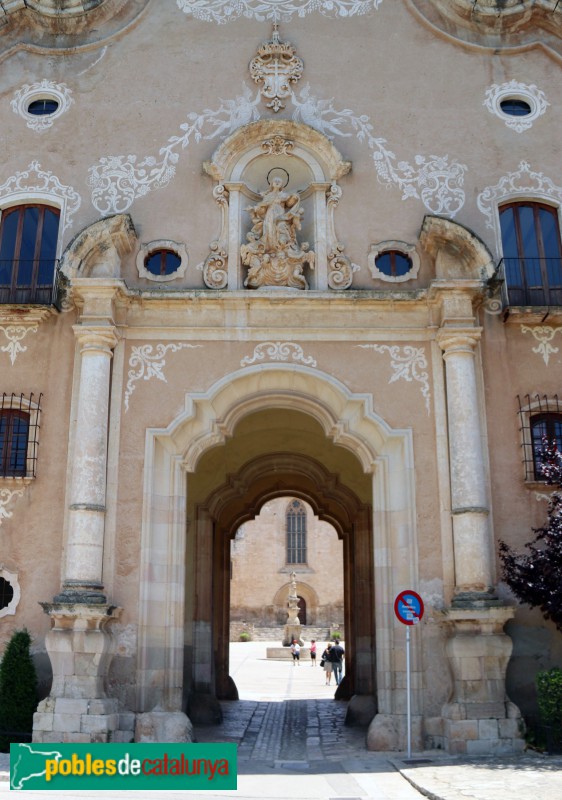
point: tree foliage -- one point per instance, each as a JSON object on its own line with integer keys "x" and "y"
{"x": 18, "y": 691}
{"x": 535, "y": 577}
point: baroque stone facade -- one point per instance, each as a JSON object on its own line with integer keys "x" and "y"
{"x": 256, "y": 276}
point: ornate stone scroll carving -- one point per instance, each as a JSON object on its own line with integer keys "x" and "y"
{"x": 276, "y": 66}
{"x": 215, "y": 266}
{"x": 340, "y": 268}
{"x": 273, "y": 253}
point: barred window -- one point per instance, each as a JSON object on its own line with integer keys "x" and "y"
{"x": 19, "y": 426}
{"x": 296, "y": 533}
{"x": 541, "y": 418}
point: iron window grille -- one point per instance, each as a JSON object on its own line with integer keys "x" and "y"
{"x": 540, "y": 417}
{"x": 296, "y": 533}
{"x": 19, "y": 435}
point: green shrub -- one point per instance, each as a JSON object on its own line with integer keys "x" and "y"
{"x": 245, "y": 636}
{"x": 18, "y": 691}
{"x": 549, "y": 695}
{"x": 336, "y": 635}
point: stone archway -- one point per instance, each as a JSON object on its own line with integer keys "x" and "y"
{"x": 238, "y": 500}
{"x": 182, "y": 635}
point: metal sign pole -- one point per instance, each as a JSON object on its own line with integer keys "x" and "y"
{"x": 409, "y": 609}
{"x": 408, "y": 687}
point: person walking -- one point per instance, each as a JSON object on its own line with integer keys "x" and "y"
{"x": 296, "y": 651}
{"x": 327, "y": 664}
{"x": 313, "y": 652}
{"x": 337, "y": 654}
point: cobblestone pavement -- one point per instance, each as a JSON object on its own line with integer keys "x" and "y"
{"x": 293, "y": 745}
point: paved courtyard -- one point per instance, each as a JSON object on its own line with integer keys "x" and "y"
{"x": 293, "y": 745}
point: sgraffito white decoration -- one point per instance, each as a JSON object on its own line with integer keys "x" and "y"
{"x": 117, "y": 181}
{"x": 543, "y": 334}
{"x": 41, "y": 90}
{"x": 6, "y": 496}
{"x": 222, "y": 11}
{"x": 522, "y": 183}
{"x": 35, "y": 182}
{"x": 513, "y": 90}
{"x": 409, "y": 364}
{"x": 542, "y": 496}
{"x": 278, "y": 351}
{"x": 15, "y": 334}
{"x": 276, "y": 66}
{"x": 146, "y": 364}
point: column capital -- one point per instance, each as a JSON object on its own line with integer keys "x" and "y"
{"x": 458, "y": 340}
{"x": 100, "y": 338}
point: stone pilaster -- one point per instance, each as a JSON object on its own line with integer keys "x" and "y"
{"x": 469, "y": 504}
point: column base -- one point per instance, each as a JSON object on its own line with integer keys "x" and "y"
{"x": 479, "y": 719}
{"x": 389, "y": 732}
{"x": 63, "y": 719}
{"x": 90, "y": 593}
{"x": 77, "y": 709}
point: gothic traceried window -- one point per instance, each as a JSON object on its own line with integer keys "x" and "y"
{"x": 296, "y": 533}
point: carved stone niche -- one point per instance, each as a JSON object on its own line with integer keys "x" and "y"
{"x": 277, "y": 188}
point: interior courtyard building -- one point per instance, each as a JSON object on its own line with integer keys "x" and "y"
{"x": 277, "y": 249}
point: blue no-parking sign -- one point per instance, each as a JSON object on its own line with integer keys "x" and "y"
{"x": 408, "y": 607}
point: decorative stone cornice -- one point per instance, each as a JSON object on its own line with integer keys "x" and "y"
{"x": 496, "y": 24}
{"x": 98, "y": 249}
{"x": 259, "y": 134}
{"x": 64, "y": 25}
{"x": 458, "y": 253}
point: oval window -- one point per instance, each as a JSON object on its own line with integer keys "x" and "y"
{"x": 393, "y": 263}
{"x": 43, "y": 107}
{"x": 515, "y": 107}
{"x": 6, "y": 593}
{"x": 162, "y": 262}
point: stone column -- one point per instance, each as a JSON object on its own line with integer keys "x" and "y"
{"x": 471, "y": 533}
{"x": 78, "y": 644}
{"x": 84, "y": 550}
{"x": 479, "y": 718}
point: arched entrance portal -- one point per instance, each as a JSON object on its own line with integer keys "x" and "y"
{"x": 240, "y": 498}
{"x": 262, "y": 432}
